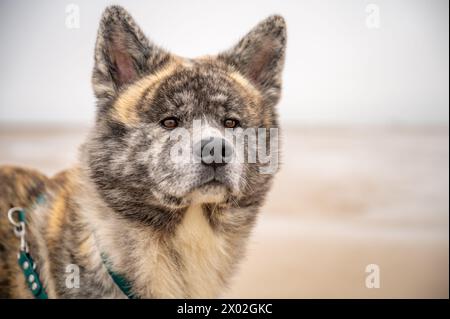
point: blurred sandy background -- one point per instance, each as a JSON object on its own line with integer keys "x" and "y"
{"x": 365, "y": 109}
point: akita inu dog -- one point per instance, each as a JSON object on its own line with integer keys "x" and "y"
{"x": 131, "y": 220}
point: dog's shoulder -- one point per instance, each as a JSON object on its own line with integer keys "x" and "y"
{"x": 19, "y": 185}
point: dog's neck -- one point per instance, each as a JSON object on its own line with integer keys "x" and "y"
{"x": 195, "y": 260}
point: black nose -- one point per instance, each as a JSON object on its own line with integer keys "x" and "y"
{"x": 214, "y": 151}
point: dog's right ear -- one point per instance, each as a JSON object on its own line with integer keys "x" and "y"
{"x": 123, "y": 54}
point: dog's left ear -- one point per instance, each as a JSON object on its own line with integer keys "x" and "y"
{"x": 123, "y": 53}
{"x": 259, "y": 56}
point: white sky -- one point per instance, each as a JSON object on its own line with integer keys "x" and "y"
{"x": 337, "y": 70}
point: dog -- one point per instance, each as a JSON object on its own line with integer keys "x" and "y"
{"x": 169, "y": 229}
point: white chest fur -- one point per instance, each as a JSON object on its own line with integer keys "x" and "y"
{"x": 205, "y": 260}
{"x": 204, "y": 253}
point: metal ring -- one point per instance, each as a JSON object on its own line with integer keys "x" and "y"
{"x": 11, "y": 218}
{"x": 20, "y": 231}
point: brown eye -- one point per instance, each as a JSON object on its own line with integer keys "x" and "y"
{"x": 170, "y": 123}
{"x": 230, "y": 123}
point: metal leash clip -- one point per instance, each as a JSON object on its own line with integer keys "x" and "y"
{"x": 16, "y": 216}
{"x": 19, "y": 225}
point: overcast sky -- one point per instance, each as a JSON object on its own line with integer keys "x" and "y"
{"x": 343, "y": 64}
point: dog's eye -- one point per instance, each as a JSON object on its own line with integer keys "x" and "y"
{"x": 170, "y": 122}
{"x": 230, "y": 123}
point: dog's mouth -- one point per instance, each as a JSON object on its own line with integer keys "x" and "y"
{"x": 213, "y": 180}
{"x": 209, "y": 192}
{"x": 212, "y": 184}
{"x": 212, "y": 189}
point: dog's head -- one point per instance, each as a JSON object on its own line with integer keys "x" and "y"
{"x": 165, "y": 124}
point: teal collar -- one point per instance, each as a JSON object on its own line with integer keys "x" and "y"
{"x": 121, "y": 282}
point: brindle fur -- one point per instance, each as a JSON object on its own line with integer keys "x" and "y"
{"x": 125, "y": 198}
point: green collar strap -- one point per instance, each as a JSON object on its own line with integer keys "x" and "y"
{"x": 32, "y": 280}
{"x": 121, "y": 282}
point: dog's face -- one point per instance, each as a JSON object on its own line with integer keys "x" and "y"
{"x": 167, "y": 127}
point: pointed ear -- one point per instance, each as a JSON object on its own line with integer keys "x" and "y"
{"x": 260, "y": 56}
{"x": 122, "y": 53}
